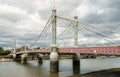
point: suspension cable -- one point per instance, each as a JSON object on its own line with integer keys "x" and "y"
{"x": 64, "y": 31}
{"x": 103, "y": 28}
{"x": 41, "y": 32}
{"x": 45, "y": 34}
{"x": 102, "y": 35}
{"x": 92, "y": 35}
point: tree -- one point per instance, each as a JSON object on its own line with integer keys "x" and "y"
{"x": 37, "y": 48}
{"x": 5, "y": 52}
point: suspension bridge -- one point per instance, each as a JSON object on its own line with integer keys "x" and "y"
{"x": 64, "y": 35}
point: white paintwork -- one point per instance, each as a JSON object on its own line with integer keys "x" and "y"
{"x": 54, "y": 56}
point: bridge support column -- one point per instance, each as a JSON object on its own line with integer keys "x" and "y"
{"x": 76, "y": 56}
{"x": 14, "y": 57}
{"x": 54, "y": 57}
{"x": 76, "y": 63}
{"x": 40, "y": 60}
{"x": 54, "y": 60}
{"x": 23, "y": 58}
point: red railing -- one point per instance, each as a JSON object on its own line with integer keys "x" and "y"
{"x": 115, "y": 50}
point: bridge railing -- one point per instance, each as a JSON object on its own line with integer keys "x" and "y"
{"x": 88, "y": 50}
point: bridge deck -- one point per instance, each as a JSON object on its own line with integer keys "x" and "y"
{"x": 89, "y": 50}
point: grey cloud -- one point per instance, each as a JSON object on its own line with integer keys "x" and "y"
{"x": 28, "y": 22}
{"x": 112, "y": 16}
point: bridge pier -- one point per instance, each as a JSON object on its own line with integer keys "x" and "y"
{"x": 76, "y": 63}
{"x": 54, "y": 60}
{"x": 40, "y": 60}
{"x": 23, "y": 58}
{"x": 14, "y": 57}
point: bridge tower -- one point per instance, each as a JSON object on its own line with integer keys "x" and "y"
{"x": 54, "y": 57}
{"x": 76, "y": 31}
{"x": 76, "y": 56}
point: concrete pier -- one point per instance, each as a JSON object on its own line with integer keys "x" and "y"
{"x": 40, "y": 59}
{"x": 54, "y": 62}
{"x": 14, "y": 57}
{"x": 76, "y": 63}
{"x": 23, "y": 58}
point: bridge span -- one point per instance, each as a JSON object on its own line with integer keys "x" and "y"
{"x": 111, "y": 50}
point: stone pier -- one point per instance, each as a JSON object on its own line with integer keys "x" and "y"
{"x": 54, "y": 61}
{"x": 76, "y": 63}
{"x": 40, "y": 59}
{"x": 23, "y": 58}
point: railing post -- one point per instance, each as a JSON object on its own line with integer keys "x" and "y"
{"x": 54, "y": 57}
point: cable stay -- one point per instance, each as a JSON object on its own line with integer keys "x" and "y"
{"x": 103, "y": 35}
{"x": 86, "y": 45}
{"x": 64, "y": 31}
{"x": 65, "y": 34}
{"x": 98, "y": 27}
{"x": 89, "y": 47}
{"x": 45, "y": 35}
{"x": 41, "y": 32}
{"x": 92, "y": 35}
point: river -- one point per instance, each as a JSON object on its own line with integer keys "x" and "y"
{"x": 33, "y": 69}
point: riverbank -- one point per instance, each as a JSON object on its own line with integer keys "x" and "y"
{"x": 115, "y": 72}
{"x": 5, "y": 60}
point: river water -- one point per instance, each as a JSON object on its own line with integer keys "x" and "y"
{"x": 33, "y": 69}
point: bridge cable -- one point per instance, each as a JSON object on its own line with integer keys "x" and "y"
{"x": 64, "y": 31}
{"x": 47, "y": 31}
{"x": 41, "y": 32}
{"x": 102, "y": 35}
{"x": 103, "y": 28}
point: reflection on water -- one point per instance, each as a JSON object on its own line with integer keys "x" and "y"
{"x": 33, "y": 69}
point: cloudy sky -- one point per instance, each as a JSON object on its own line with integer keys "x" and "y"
{"x": 24, "y": 20}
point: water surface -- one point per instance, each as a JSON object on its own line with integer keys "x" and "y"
{"x": 33, "y": 69}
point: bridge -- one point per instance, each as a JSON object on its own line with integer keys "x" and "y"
{"x": 115, "y": 50}
{"x": 51, "y": 39}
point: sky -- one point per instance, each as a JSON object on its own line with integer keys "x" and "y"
{"x": 24, "y": 20}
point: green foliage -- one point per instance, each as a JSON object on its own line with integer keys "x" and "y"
{"x": 37, "y": 48}
{"x": 5, "y": 52}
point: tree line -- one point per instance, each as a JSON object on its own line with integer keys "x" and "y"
{"x": 4, "y": 52}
